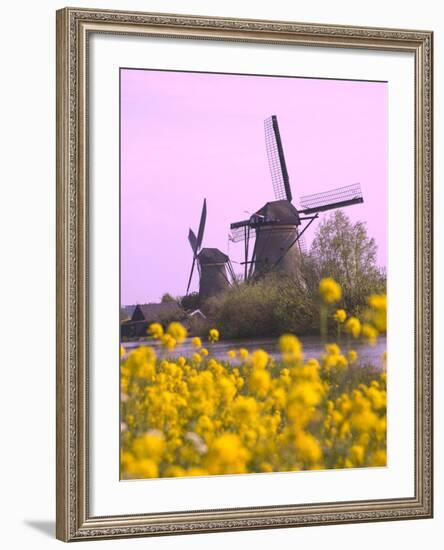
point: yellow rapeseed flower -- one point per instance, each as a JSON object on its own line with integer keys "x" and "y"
{"x": 196, "y": 342}
{"x": 155, "y": 330}
{"x": 259, "y": 382}
{"x": 259, "y": 359}
{"x": 330, "y": 290}
{"x": 213, "y": 335}
{"x": 357, "y": 454}
{"x": 231, "y": 353}
{"x": 341, "y": 362}
{"x": 144, "y": 468}
{"x": 369, "y": 333}
{"x": 227, "y": 455}
{"x": 193, "y": 472}
{"x": 245, "y": 409}
{"x": 291, "y": 348}
{"x": 353, "y": 326}
{"x": 340, "y": 315}
{"x": 177, "y": 331}
{"x": 168, "y": 342}
{"x": 332, "y": 349}
{"x": 243, "y": 354}
{"x": 379, "y": 458}
{"x": 352, "y": 356}
{"x": 150, "y": 445}
{"x": 307, "y": 447}
{"x": 377, "y": 301}
{"x": 378, "y": 311}
{"x": 196, "y": 359}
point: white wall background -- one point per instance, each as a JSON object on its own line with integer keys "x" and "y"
{"x": 27, "y": 273}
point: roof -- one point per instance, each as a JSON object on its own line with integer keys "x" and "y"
{"x": 158, "y": 312}
{"x": 197, "y": 312}
{"x": 212, "y": 256}
{"x": 129, "y": 310}
{"x": 281, "y": 212}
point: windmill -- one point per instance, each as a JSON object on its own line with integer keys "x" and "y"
{"x": 278, "y": 227}
{"x": 212, "y": 264}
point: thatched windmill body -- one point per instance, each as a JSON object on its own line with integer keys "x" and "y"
{"x": 278, "y": 227}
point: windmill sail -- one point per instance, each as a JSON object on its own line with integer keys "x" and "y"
{"x": 239, "y": 234}
{"x": 203, "y": 219}
{"x": 196, "y": 242}
{"x": 193, "y": 241}
{"x": 276, "y": 160}
{"x": 329, "y": 200}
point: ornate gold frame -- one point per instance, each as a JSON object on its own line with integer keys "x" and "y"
{"x": 73, "y": 519}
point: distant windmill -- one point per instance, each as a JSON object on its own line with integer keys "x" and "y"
{"x": 277, "y": 225}
{"x": 212, "y": 264}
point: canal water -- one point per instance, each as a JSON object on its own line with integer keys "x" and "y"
{"x": 312, "y": 347}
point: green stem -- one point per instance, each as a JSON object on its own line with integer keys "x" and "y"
{"x": 324, "y": 325}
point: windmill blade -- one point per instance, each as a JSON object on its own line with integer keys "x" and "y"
{"x": 303, "y": 244}
{"x": 329, "y": 200}
{"x": 299, "y": 236}
{"x": 191, "y": 274}
{"x": 276, "y": 160}
{"x": 239, "y": 234}
{"x": 203, "y": 219}
{"x": 193, "y": 241}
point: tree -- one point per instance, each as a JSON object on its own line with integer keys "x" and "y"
{"x": 167, "y": 299}
{"x": 190, "y": 302}
{"x": 343, "y": 250}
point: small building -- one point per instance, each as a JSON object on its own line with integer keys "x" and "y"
{"x": 145, "y": 314}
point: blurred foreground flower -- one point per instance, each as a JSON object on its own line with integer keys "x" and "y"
{"x": 340, "y": 315}
{"x": 330, "y": 290}
{"x": 177, "y": 331}
{"x": 353, "y": 326}
{"x": 155, "y": 330}
{"x": 196, "y": 342}
{"x": 213, "y": 335}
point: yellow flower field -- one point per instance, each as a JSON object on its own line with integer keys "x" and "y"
{"x": 196, "y": 416}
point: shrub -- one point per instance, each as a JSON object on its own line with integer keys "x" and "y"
{"x": 266, "y": 307}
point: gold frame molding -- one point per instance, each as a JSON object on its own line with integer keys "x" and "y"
{"x": 73, "y": 520}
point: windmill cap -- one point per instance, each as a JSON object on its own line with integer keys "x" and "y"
{"x": 212, "y": 256}
{"x": 282, "y": 212}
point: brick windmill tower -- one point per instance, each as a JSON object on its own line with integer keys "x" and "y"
{"x": 214, "y": 267}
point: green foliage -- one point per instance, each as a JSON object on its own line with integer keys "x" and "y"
{"x": 124, "y": 315}
{"x": 198, "y": 326}
{"x": 345, "y": 381}
{"x": 190, "y": 302}
{"x": 342, "y": 250}
{"x": 167, "y": 299}
{"x": 267, "y": 307}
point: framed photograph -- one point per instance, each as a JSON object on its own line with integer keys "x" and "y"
{"x": 244, "y": 274}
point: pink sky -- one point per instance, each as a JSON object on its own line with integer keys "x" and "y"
{"x": 186, "y": 136}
